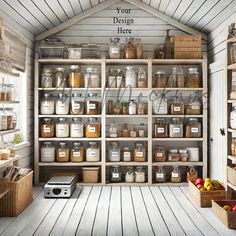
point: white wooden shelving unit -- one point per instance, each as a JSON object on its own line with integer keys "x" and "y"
{"x": 104, "y": 64}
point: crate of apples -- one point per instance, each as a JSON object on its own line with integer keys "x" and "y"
{"x": 208, "y": 184}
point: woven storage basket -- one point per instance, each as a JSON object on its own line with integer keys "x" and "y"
{"x": 18, "y": 197}
{"x": 90, "y": 174}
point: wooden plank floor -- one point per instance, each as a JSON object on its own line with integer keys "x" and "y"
{"x": 127, "y": 211}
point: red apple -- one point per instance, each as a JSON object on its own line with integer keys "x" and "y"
{"x": 199, "y": 181}
{"x": 199, "y": 186}
{"x": 234, "y": 208}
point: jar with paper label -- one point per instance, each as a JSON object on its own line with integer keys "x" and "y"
{"x": 173, "y": 155}
{"x": 125, "y": 131}
{"x": 142, "y": 78}
{"x": 93, "y": 152}
{"x": 92, "y": 104}
{"x": 177, "y": 107}
{"x": 92, "y": 78}
{"x": 3, "y": 120}
{"x": 62, "y": 128}
{"x": 159, "y": 154}
{"x": 160, "y": 128}
{"x": 113, "y": 130}
{"x": 62, "y": 153}
{"x": 176, "y": 175}
{"x": 193, "y": 128}
{"x": 120, "y": 79}
{"x": 193, "y": 79}
{"x": 77, "y": 104}
{"x": 76, "y": 128}
{"x": 115, "y": 174}
{"x": 159, "y": 104}
{"x": 160, "y": 175}
{"x": 141, "y": 130}
{"x": 141, "y": 108}
{"x": 59, "y": 78}
{"x": 93, "y": 128}
{"x": 77, "y": 153}
{"x": 111, "y": 80}
{"x": 47, "y": 128}
{"x": 75, "y": 77}
{"x": 161, "y": 79}
{"x": 46, "y": 77}
{"x": 133, "y": 132}
{"x": 193, "y": 108}
{"x": 47, "y": 105}
{"x": 126, "y": 154}
{"x": 132, "y": 108}
{"x": 139, "y": 152}
{"x": 47, "y": 152}
{"x": 139, "y": 174}
{"x": 62, "y": 105}
{"x": 114, "y": 152}
{"x": 129, "y": 48}
{"x": 114, "y": 48}
{"x": 233, "y": 118}
{"x": 130, "y": 175}
{"x": 176, "y": 128}
{"x": 130, "y": 77}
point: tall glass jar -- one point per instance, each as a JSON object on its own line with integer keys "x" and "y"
{"x": 47, "y": 105}
{"x": 47, "y": 151}
{"x": 193, "y": 128}
{"x": 125, "y": 130}
{"x": 129, "y": 49}
{"x": 172, "y": 82}
{"x": 233, "y": 118}
{"x": 180, "y": 80}
{"x": 161, "y": 79}
{"x": 111, "y": 80}
{"x": 3, "y": 120}
{"x": 59, "y": 79}
{"x": 139, "y": 152}
{"x": 62, "y": 128}
{"x": 77, "y": 153}
{"x": 177, "y": 107}
{"x": 130, "y": 77}
{"x": 160, "y": 104}
{"x": 139, "y": 48}
{"x": 62, "y": 153}
{"x": 75, "y": 77}
{"x": 93, "y": 152}
{"x": 93, "y": 104}
{"x": 93, "y": 128}
{"x": 77, "y": 104}
{"x": 193, "y": 80}
{"x": 114, "y": 152}
{"x": 47, "y": 128}
{"x": 160, "y": 175}
{"x": 233, "y": 53}
{"x": 176, "y": 128}
{"x": 139, "y": 174}
{"x": 116, "y": 174}
{"x": 160, "y": 128}
{"x": 120, "y": 80}
{"x": 126, "y": 154}
{"x": 9, "y": 118}
{"x": 92, "y": 78}
{"x": 132, "y": 108}
{"x": 46, "y": 77}
{"x": 114, "y": 48}
{"x": 176, "y": 175}
{"x": 76, "y": 128}
{"x": 62, "y": 105}
{"x": 130, "y": 175}
{"x": 10, "y": 92}
{"x": 142, "y": 78}
{"x": 113, "y": 130}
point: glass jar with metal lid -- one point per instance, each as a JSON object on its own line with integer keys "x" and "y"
{"x": 114, "y": 48}
{"x": 92, "y": 78}
{"x": 130, "y": 77}
{"x": 139, "y": 174}
{"x": 47, "y": 105}
{"x": 62, "y": 153}
{"x": 77, "y": 153}
{"x": 75, "y": 77}
{"x": 47, "y": 151}
{"x": 176, "y": 175}
{"x": 77, "y": 104}
{"x": 159, "y": 104}
{"x": 46, "y": 77}
{"x": 93, "y": 128}
{"x": 129, "y": 48}
{"x": 62, "y": 105}
{"x": 159, "y": 154}
{"x": 114, "y": 152}
{"x": 160, "y": 175}
{"x": 93, "y": 152}
{"x": 115, "y": 174}
{"x": 93, "y": 104}
{"x": 193, "y": 80}
{"x": 59, "y": 78}
{"x": 13, "y": 122}
{"x": 130, "y": 175}
{"x": 177, "y": 107}
{"x": 193, "y": 128}
{"x": 139, "y": 152}
{"x": 76, "y": 128}
{"x": 62, "y": 128}
{"x": 47, "y": 128}
{"x": 176, "y": 128}
{"x": 160, "y": 128}
{"x": 161, "y": 79}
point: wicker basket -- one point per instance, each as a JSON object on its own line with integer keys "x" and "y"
{"x": 90, "y": 174}
{"x": 18, "y": 196}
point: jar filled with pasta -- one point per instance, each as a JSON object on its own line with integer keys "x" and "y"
{"x": 92, "y": 128}
{"x": 77, "y": 104}
{"x": 47, "y": 128}
{"x": 75, "y": 77}
{"x": 93, "y": 104}
{"x": 62, "y": 105}
{"x": 77, "y": 153}
{"x": 62, "y": 153}
{"x": 62, "y": 128}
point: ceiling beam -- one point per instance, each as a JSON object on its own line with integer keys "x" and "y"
{"x": 63, "y": 26}
{"x": 166, "y": 18}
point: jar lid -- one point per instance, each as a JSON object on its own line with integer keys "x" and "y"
{"x": 75, "y": 119}
{"x": 62, "y": 119}
{"x": 114, "y": 142}
{"x": 62, "y": 144}
{"x": 77, "y": 144}
{"x": 46, "y": 95}
{"x": 74, "y": 67}
{"x": 193, "y": 70}
{"x": 160, "y": 72}
{"x": 76, "y": 95}
{"x": 47, "y": 119}
{"x": 47, "y": 143}
{"x": 60, "y": 69}
{"x": 193, "y": 119}
{"x": 129, "y": 67}
{"x": 116, "y": 166}
{"x": 91, "y": 69}
{"x": 92, "y": 143}
{"x": 92, "y": 94}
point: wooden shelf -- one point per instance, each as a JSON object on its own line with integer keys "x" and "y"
{"x": 126, "y": 163}
{"x": 126, "y": 61}
{"x": 9, "y": 102}
{"x": 178, "y": 163}
{"x": 232, "y": 101}
{"x": 69, "y": 89}
{"x": 70, "y": 139}
{"x": 231, "y": 186}
{"x": 69, "y": 116}
{"x": 126, "y": 116}
{"x": 231, "y": 130}
{"x": 177, "y": 61}
{"x": 127, "y": 139}
{"x": 232, "y": 158}
{"x": 180, "y": 116}
{"x": 4, "y": 163}
{"x": 232, "y": 67}
{"x": 70, "y": 163}
{"x": 69, "y": 61}
{"x": 178, "y": 139}
{"x": 179, "y": 89}
{"x": 231, "y": 40}
{"x": 5, "y": 132}
{"x": 9, "y": 73}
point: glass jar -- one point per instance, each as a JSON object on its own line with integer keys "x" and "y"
{"x": 129, "y": 48}
{"x": 59, "y": 78}
{"x": 176, "y": 175}
{"x": 115, "y": 174}
{"x": 12, "y": 122}
{"x": 92, "y": 78}
{"x": 194, "y": 80}
{"x": 141, "y": 108}
{"x": 47, "y": 151}
{"x": 77, "y": 153}
{"x": 111, "y": 80}
{"x": 10, "y": 92}
{"x": 9, "y": 118}
{"x": 160, "y": 128}
{"x": 160, "y": 52}
{"x": 233, "y": 53}
{"x": 233, "y": 118}
{"x": 139, "y": 152}
{"x": 93, "y": 152}
{"x": 193, "y": 128}
{"x": 62, "y": 105}
{"x": 130, "y": 77}
{"x": 159, "y": 154}
{"x": 3, "y": 95}
{"x": 117, "y": 110}
{"x": 114, "y": 48}
{"x": 161, "y": 79}
{"x": 76, "y": 128}
{"x": 177, "y": 107}
{"x": 160, "y": 104}
{"x": 47, "y": 105}
{"x": 142, "y": 78}
{"x": 62, "y": 128}
{"x": 125, "y": 108}
{"x": 130, "y": 175}
{"x": 47, "y": 128}
{"x": 173, "y": 155}
{"x": 183, "y": 154}
{"x": 113, "y": 130}
{"x": 133, "y": 132}
{"x": 114, "y": 152}
{"x": 77, "y": 104}
{"x": 132, "y": 108}
{"x": 139, "y": 48}
{"x": 125, "y": 131}
{"x": 180, "y": 80}
{"x": 110, "y": 107}
{"x": 126, "y": 154}
{"x": 172, "y": 81}
{"x": 139, "y": 174}
{"x": 92, "y": 104}
{"x": 176, "y": 128}
{"x": 75, "y": 77}
{"x": 120, "y": 79}
{"x": 3, "y": 119}
{"x": 160, "y": 175}
{"x": 92, "y": 128}
{"x": 62, "y": 153}
{"x": 141, "y": 130}
{"x": 193, "y": 108}
{"x": 46, "y": 77}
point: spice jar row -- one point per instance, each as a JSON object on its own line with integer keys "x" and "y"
{"x": 127, "y": 130}
{"x": 7, "y": 92}
{"x": 178, "y": 78}
{"x": 176, "y": 127}
{"x": 130, "y": 175}
{"x": 74, "y": 78}
{"x": 8, "y": 119}
{"x": 76, "y": 129}
{"x": 75, "y": 105}
{"x": 116, "y": 153}
{"x": 50, "y": 152}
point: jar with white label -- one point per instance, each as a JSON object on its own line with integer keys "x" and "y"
{"x": 93, "y": 152}
{"x": 92, "y": 128}
{"x": 130, "y": 175}
{"x": 115, "y": 174}
{"x": 62, "y": 105}
{"x": 160, "y": 175}
{"x": 62, "y": 153}
{"x": 76, "y": 128}
{"x": 176, "y": 128}
{"x": 139, "y": 152}
{"x": 159, "y": 154}
{"x": 46, "y": 77}
{"x": 3, "y": 120}
{"x": 77, "y": 104}
{"x": 47, "y": 105}
{"x": 47, "y": 152}
{"x": 114, "y": 48}
{"x": 176, "y": 175}
{"x": 193, "y": 108}
{"x": 139, "y": 174}
{"x": 92, "y": 78}
{"x": 159, "y": 104}
{"x": 114, "y": 152}
{"x": 126, "y": 154}
{"x": 130, "y": 77}
{"x": 47, "y": 128}
{"x": 132, "y": 108}
{"x": 177, "y": 107}
{"x": 77, "y": 153}
{"x": 59, "y": 78}
{"x": 193, "y": 128}
{"x": 62, "y": 128}
{"x": 93, "y": 104}
{"x": 160, "y": 128}
{"x": 233, "y": 118}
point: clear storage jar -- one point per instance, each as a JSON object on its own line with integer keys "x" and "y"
{"x": 141, "y": 108}
{"x": 10, "y": 92}
{"x": 47, "y": 128}
{"x": 76, "y": 104}
{"x": 126, "y": 154}
{"x": 233, "y": 53}
{"x": 125, "y": 130}
{"x": 139, "y": 174}
{"x": 184, "y": 156}
{"x": 120, "y": 79}
{"x": 142, "y": 78}
{"x": 180, "y": 79}
{"x": 77, "y": 153}
{"x": 114, "y": 152}
{"x": 62, "y": 153}
{"x": 93, "y": 128}
{"x": 132, "y": 108}
{"x": 176, "y": 175}
{"x": 177, "y": 107}
{"x": 193, "y": 108}
{"x": 93, "y": 104}
{"x": 115, "y": 50}
{"x": 62, "y": 128}
{"x": 139, "y": 152}
{"x": 176, "y": 128}
{"x": 76, "y": 128}
{"x": 62, "y": 105}
{"x": 93, "y": 152}
{"x": 12, "y": 120}
{"x": 3, "y": 119}
{"x": 139, "y": 48}
{"x": 159, "y": 154}
{"x": 130, "y": 77}
{"x": 116, "y": 174}
{"x": 9, "y": 119}
{"x": 59, "y": 78}
{"x": 160, "y": 104}
{"x": 47, "y": 151}
{"x": 233, "y": 118}
{"x": 111, "y": 80}
{"x": 46, "y": 77}
{"x": 130, "y": 175}
{"x": 75, "y": 77}
{"x": 129, "y": 48}
{"x": 47, "y": 105}
{"x": 117, "y": 110}
{"x": 161, "y": 79}
{"x": 160, "y": 128}
{"x": 92, "y": 78}
{"x": 193, "y": 79}
{"x": 113, "y": 130}
{"x": 193, "y": 128}
{"x": 160, "y": 175}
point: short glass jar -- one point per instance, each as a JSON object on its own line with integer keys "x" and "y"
{"x": 176, "y": 128}
{"x": 160, "y": 128}
{"x": 160, "y": 104}
{"x": 75, "y": 77}
{"x": 77, "y": 153}
{"x": 193, "y": 80}
{"x": 59, "y": 78}
{"x": 76, "y": 128}
{"x": 113, "y": 130}
{"x": 92, "y": 78}
{"x": 47, "y": 128}
{"x": 62, "y": 128}
{"x": 193, "y": 128}
{"x": 130, "y": 175}
{"x": 47, "y": 105}
{"x": 47, "y": 152}
{"x": 141, "y": 108}
{"x": 11, "y": 118}
{"x": 160, "y": 175}
{"x": 62, "y": 105}
{"x": 173, "y": 155}
{"x": 115, "y": 174}
{"x": 62, "y": 153}
{"x": 159, "y": 154}
{"x": 161, "y": 79}
{"x": 93, "y": 152}
{"x": 193, "y": 108}
{"x": 176, "y": 175}
{"x": 93, "y": 128}
{"x": 93, "y": 106}
{"x": 126, "y": 154}
{"x": 139, "y": 174}
{"x": 177, "y": 107}
{"x": 114, "y": 152}
{"x": 77, "y": 104}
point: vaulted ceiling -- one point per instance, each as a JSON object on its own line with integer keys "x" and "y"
{"x": 38, "y": 16}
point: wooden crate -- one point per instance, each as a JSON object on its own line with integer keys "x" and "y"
{"x": 90, "y": 174}
{"x": 204, "y": 198}
{"x": 231, "y": 173}
{"x": 228, "y": 218}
